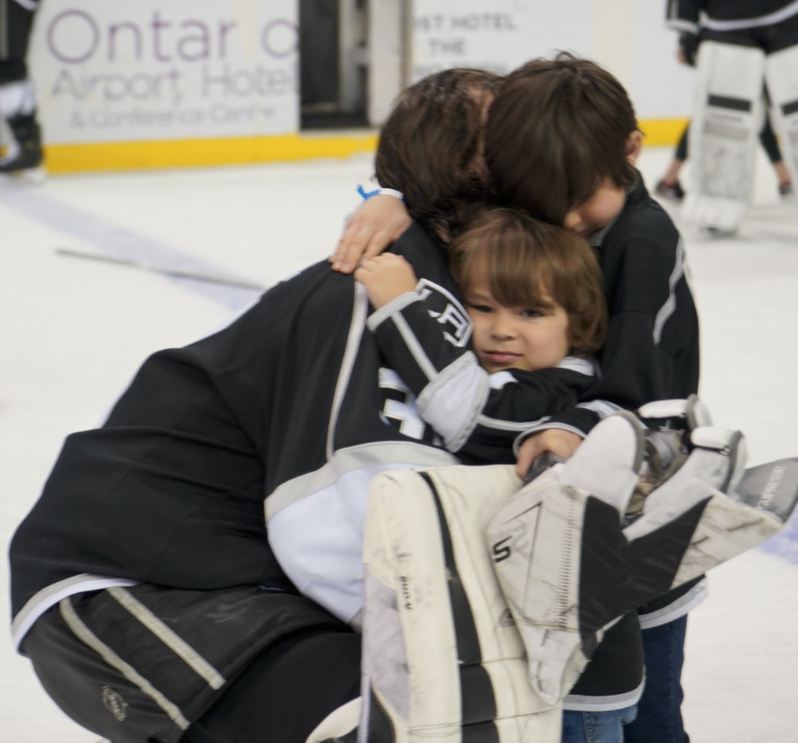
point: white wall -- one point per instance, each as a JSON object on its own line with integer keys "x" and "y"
{"x": 629, "y": 37}
{"x": 148, "y": 70}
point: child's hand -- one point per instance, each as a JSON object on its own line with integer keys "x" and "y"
{"x": 555, "y": 440}
{"x": 386, "y": 277}
{"x": 372, "y": 228}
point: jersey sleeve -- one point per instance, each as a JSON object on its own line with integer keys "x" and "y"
{"x": 683, "y": 15}
{"x": 651, "y": 350}
{"x": 478, "y": 415}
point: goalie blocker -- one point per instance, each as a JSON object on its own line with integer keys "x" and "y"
{"x": 468, "y": 639}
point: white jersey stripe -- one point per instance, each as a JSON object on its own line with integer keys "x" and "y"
{"x": 169, "y": 638}
{"x": 112, "y": 659}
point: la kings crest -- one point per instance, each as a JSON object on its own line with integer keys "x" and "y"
{"x": 447, "y": 310}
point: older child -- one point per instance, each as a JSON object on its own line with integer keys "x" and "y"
{"x": 561, "y": 143}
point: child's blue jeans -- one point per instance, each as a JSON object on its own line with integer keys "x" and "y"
{"x": 596, "y": 727}
{"x": 657, "y": 717}
{"x": 659, "y": 714}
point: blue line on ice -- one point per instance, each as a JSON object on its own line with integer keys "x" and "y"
{"x": 118, "y": 242}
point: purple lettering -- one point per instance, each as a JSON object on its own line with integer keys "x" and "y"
{"x": 72, "y": 37}
{"x": 113, "y": 32}
{"x": 279, "y": 38}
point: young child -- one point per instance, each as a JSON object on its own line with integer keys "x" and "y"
{"x": 535, "y": 297}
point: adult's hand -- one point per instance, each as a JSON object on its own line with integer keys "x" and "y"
{"x": 370, "y": 231}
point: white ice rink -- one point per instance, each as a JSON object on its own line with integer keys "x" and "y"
{"x": 73, "y": 331}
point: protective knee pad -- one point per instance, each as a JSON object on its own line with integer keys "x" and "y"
{"x": 442, "y": 657}
{"x": 781, "y": 73}
{"x": 727, "y": 116}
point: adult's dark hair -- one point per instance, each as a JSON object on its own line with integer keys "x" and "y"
{"x": 556, "y": 130}
{"x": 528, "y": 263}
{"x": 431, "y": 146}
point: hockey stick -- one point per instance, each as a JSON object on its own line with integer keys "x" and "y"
{"x": 71, "y": 253}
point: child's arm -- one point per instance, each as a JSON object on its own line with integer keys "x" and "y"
{"x": 477, "y": 415}
{"x": 555, "y": 441}
{"x": 386, "y": 277}
{"x": 376, "y": 224}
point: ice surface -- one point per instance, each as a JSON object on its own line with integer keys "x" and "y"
{"x": 74, "y": 331}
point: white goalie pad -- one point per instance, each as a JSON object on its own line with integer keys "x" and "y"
{"x": 541, "y": 533}
{"x": 728, "y": 113}
{"x": 442, "y": 657}
{"x": 781, "y": 74}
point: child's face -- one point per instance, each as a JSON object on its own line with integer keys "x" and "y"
{"x": 598, "y": 211}
{"x": 515, "y": 337}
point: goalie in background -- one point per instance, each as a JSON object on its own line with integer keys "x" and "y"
{"x": 741, "y": 46}
{"x": 20, "y": 134}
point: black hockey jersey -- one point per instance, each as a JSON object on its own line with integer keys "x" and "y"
{"x": 652, "y": 347}
{"x": 429, "y": 377}
{"x": 477, "y": 414}
{"x": 170, "y": 490}
{"x": 727, "y": 15}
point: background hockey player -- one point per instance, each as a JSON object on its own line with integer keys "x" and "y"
{"x": 742, "y": 46}
{"x": 20, "y": 136}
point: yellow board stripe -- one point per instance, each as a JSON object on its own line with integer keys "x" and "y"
{"x": 116, "y": 156}
{"x": 75, "y": 158}
{"x": 662, "y": 132}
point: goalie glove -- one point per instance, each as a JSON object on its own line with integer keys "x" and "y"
{"x": 570, "y": 566}
{"x": 688, "y": 44}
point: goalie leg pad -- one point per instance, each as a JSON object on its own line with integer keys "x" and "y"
{"x": 727, "y": 116}
{"x": 442, "y": 656}
{"x": 781, "y": 72}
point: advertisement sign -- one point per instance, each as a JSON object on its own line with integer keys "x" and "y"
{"x": 498, "y": 36}
{"x": 137, "y": 70}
